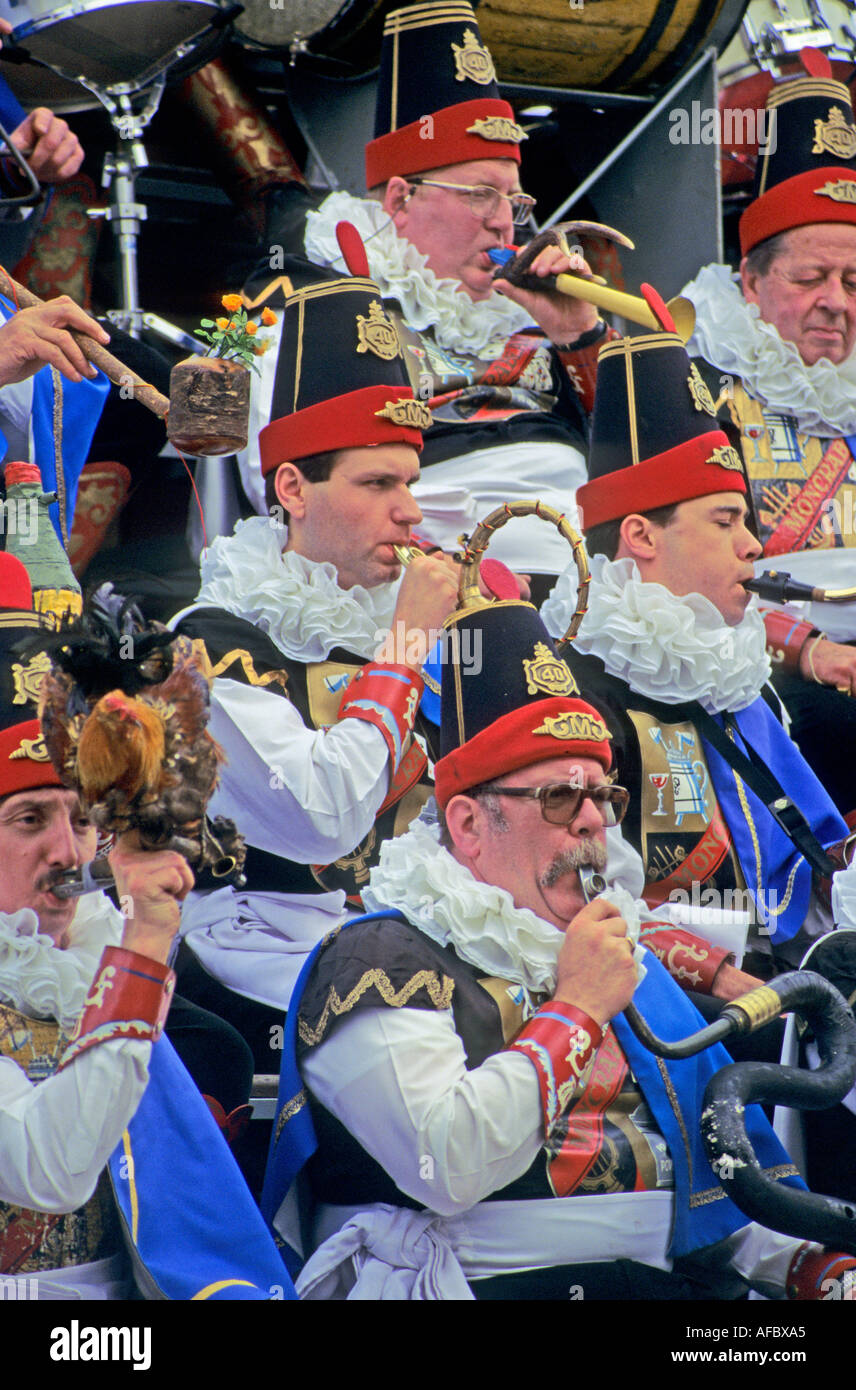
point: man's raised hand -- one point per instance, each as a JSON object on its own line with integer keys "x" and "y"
{"x": 596, "y": 969}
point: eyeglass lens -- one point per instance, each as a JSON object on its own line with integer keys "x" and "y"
{"x": 561, "y": 804}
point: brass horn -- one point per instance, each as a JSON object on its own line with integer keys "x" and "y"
{"x": 474, "y": 546}
{"x": 776, "y": 586}
{"x": 629, "y": 306}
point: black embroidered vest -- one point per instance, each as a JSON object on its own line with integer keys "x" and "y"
{"x": 390, "y": 963}
{"x": 239, "y": 651}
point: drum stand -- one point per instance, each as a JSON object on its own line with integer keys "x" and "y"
{"x": 129, "y": 115}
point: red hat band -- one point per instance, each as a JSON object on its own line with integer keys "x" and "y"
{"x": 24, "y": 760}
{"x": 696, "y": 468}
{"x": 818, "y": 195}
{"x": 532, "y": 733}
{"x": 481, "y": 129}
{"x": 372, "y": 415}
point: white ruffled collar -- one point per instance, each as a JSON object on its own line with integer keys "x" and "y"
{"x": 38, "y": 978}
{"x": 730, "y": 334}
{"x": 460, "y": 324}
{"x": 297, "y": 602}
{"x": 665, "y": 647}
{"x": 440, "y": 896}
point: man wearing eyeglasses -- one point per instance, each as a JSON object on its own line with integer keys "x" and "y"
{"x": 486, "y": 1124}
{"x": 502, "y": 370}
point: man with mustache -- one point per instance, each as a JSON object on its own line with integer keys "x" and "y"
{"x": 84, "y": 995}
{"x": 485, "y": 1123}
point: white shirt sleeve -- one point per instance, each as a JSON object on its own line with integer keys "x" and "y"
{"x": 397, "y": 1079}
{"x": 56, "y": 1138}
{"x": 306, "y": 794}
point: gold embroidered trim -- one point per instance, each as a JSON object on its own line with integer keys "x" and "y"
{"x": 646, "y": 342}
{"x": 807, "y": 87}
{"x": 703, "y": 1199}
{"x": 700, "y": 391}
{"x": 242, "y": 656}
{"x": 673, "y": 1101}
{"x": 14, "y": 617}
{"x": 282, "y": 282}
{"x": 841, "y": 191}
{"x": 498, "y": 128}
{"x": 412, "y": 414}
{"x": 376, "y": 333}
{"x": 473, "y": 61}
{"x": 715, "y": 1194}
{"x": 439, "y": 989}
{"x": 756, "y": 849}
{"x": 574, "y": 726}
{"x": 835, "y": 135}
{"x": 28, "y": 678}
{"x": 288, "y": 1111}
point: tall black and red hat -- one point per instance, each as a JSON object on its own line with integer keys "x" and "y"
{"x": 24, "y": 760}
{"x": 508, "y": 700}
{"x": 438, "y": 99}
{"x": 341, "y": 380}
{"x": 806, "y": 172}
{"x": 655, "y": 438}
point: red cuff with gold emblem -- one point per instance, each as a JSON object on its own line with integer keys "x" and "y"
{"x": 388, "y": 697}
{"x": 786, "y": 637}
{"x": 689, "y": 959}
{"x": 560, "y": 1042}
{"x": 129, "y": 998}
{"x": 816, "y": 1275}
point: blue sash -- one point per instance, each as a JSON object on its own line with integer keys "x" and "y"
{"x": 188, "y": 1214}
{"x": 61, "y": 446}
{"x": 703, "y": 1213}
{"x": 785, "y": 877}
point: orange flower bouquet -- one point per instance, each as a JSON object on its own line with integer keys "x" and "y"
{"x": 234, "y": 338}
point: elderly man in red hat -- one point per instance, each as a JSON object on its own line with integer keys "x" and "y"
{"x": 485, "y": 1122}
{"x": 776, "y": 349}
{"x": 501, "y": 367}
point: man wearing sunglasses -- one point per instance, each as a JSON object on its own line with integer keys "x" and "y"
{"x": 464, "y": 1051}
{"x": 502, "y": 370}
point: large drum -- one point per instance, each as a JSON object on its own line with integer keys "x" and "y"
{"x": 348, "y": 32}
{"x": 114, "y": 44}
{"x": 611, "y": 45}
{"x": 614, "y": 45}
